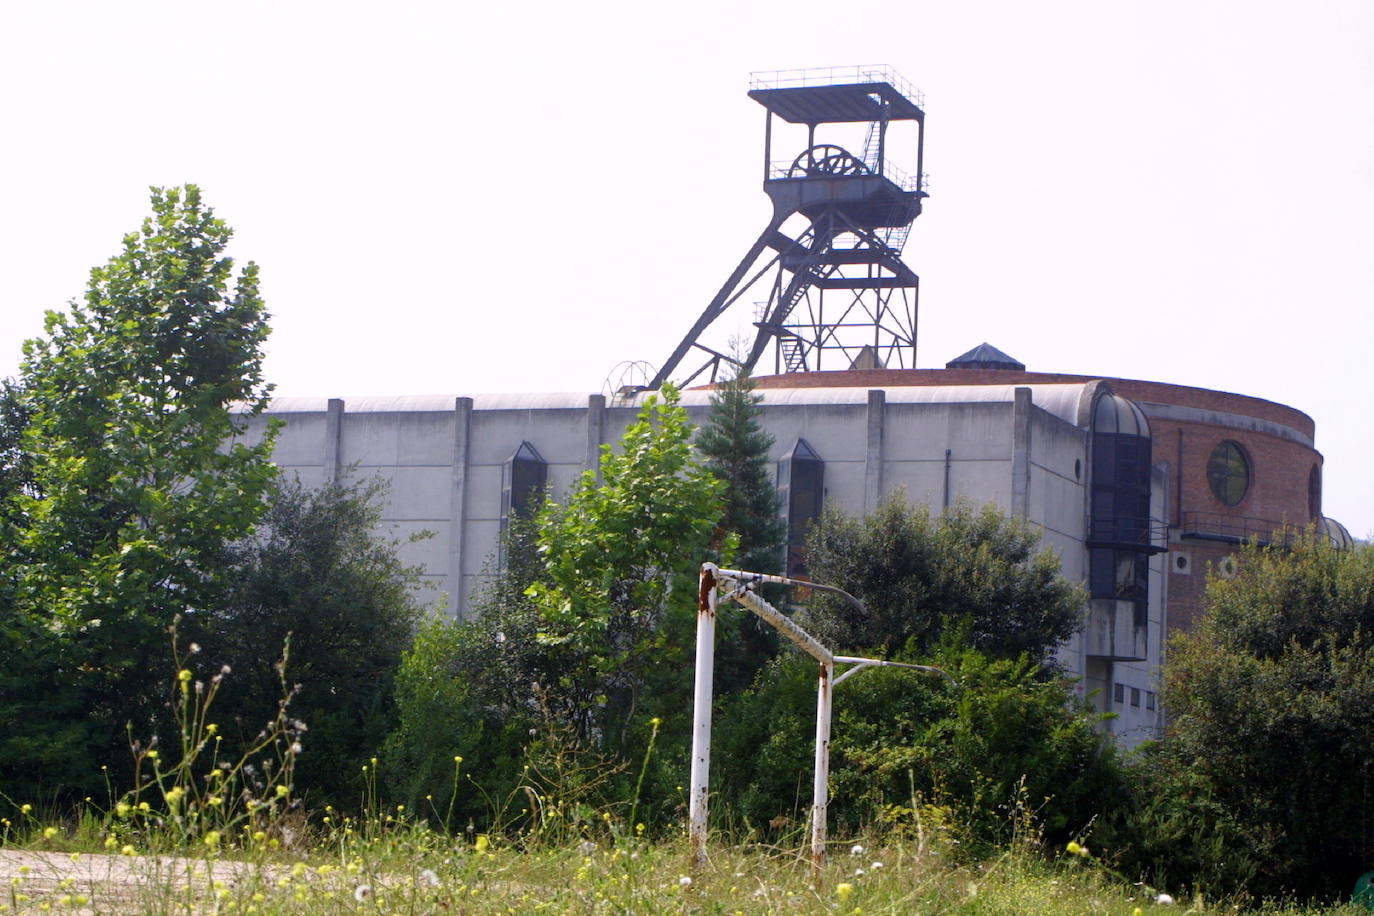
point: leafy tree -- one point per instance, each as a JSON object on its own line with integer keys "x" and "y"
{"x": 16, "y": 465}
{"x": 581, "y": 640}
{"x": 617, "y": 594}
{"x": 735, "y": 447}
{"x": 316, "y": 572}
{"x": 137, "y": 482}
{"x": 922, "y": 578}
{"x": 1264, "y": 782}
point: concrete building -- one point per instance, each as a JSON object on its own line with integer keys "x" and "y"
{"x": 1139, "y": 487}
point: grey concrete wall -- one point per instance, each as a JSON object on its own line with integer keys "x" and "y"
{"x": 443, "y": 459}
{"x": 873, "y": 443}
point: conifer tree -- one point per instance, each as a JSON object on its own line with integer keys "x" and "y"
{"x": 736, "y": 449}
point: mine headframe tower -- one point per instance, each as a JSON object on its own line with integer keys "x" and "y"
{"x": 838, "y": 294}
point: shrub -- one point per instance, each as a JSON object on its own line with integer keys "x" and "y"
{"x": 1264, "y": 782}
{"x": 996, "y": 735}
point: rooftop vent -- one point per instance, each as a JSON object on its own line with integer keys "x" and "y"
{"x": 985, "y": 356}
{"x": 867, "y": 359}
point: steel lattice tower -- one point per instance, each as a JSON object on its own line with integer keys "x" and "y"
{"x": 837, "y": 295}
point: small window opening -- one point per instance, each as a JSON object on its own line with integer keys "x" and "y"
{"x": 801, "y": 478}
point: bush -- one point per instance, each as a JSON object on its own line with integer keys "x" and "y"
{"x": 447, "y": 758}
{"x": 315, "y": 572}
{"x": 920, "y": 577}
{"x": 1264, "y": 782}
{"x": 996, "y": 736}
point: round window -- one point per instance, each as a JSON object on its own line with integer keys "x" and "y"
{"x": 1228, "y": 473}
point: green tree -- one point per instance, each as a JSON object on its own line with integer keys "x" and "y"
{"x": 581, "y": 639}
{"x": 16, "y": 464}
{"x": 617, "y": 594}
{"x": 1264, "y": 782}
{"x": 137, "y": 480}
{"x": 317, "y": 571}
{"x": 922, "y": 577}
{"x": 735, "y": 447}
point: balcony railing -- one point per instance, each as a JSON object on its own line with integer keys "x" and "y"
{"x": 1149, "y": 534}
{"x": 1232, "y": 529}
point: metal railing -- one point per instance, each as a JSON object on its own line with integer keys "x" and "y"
{"x": 1233, "y": 529}
{"x": 837, "y": 76}
{"x": 1148, "y": 533}
{"x": 782, "y": 168}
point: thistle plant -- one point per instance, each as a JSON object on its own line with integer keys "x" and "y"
{"x": 207, "y": 794}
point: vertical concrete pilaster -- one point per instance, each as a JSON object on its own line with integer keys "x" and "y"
{"x": 1020, "y": 453}
{"x": 873, "y": 456}
{"x": 457, "y": 514}
{"x": 333, "y": 433}
{"x": 596, "y": 431}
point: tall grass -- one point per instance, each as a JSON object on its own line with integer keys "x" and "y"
{"x": 205, "y": 830}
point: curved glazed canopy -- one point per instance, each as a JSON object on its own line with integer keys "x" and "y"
{"x": 1114, "y": 414}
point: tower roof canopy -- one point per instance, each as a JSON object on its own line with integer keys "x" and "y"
{"x": 836, "y": 104}
{"x": 985, "y": 356}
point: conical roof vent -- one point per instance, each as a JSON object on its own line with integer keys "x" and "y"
{"x": 985, "y": 356}
{"x": 867, "y": 359}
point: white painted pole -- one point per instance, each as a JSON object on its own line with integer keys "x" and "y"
{"x": 701, "y": 713}
{"x": 820, "y": 790}
{"x": 737, "y": 585}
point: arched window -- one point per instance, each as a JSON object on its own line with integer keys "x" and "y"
{"x": 801, "y": 480}
{"x": 523, "y": 479}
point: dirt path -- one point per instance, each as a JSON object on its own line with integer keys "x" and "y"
{"x": 117, "y": 884}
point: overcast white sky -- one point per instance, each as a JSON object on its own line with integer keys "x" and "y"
{"x": 460, "y": 198}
